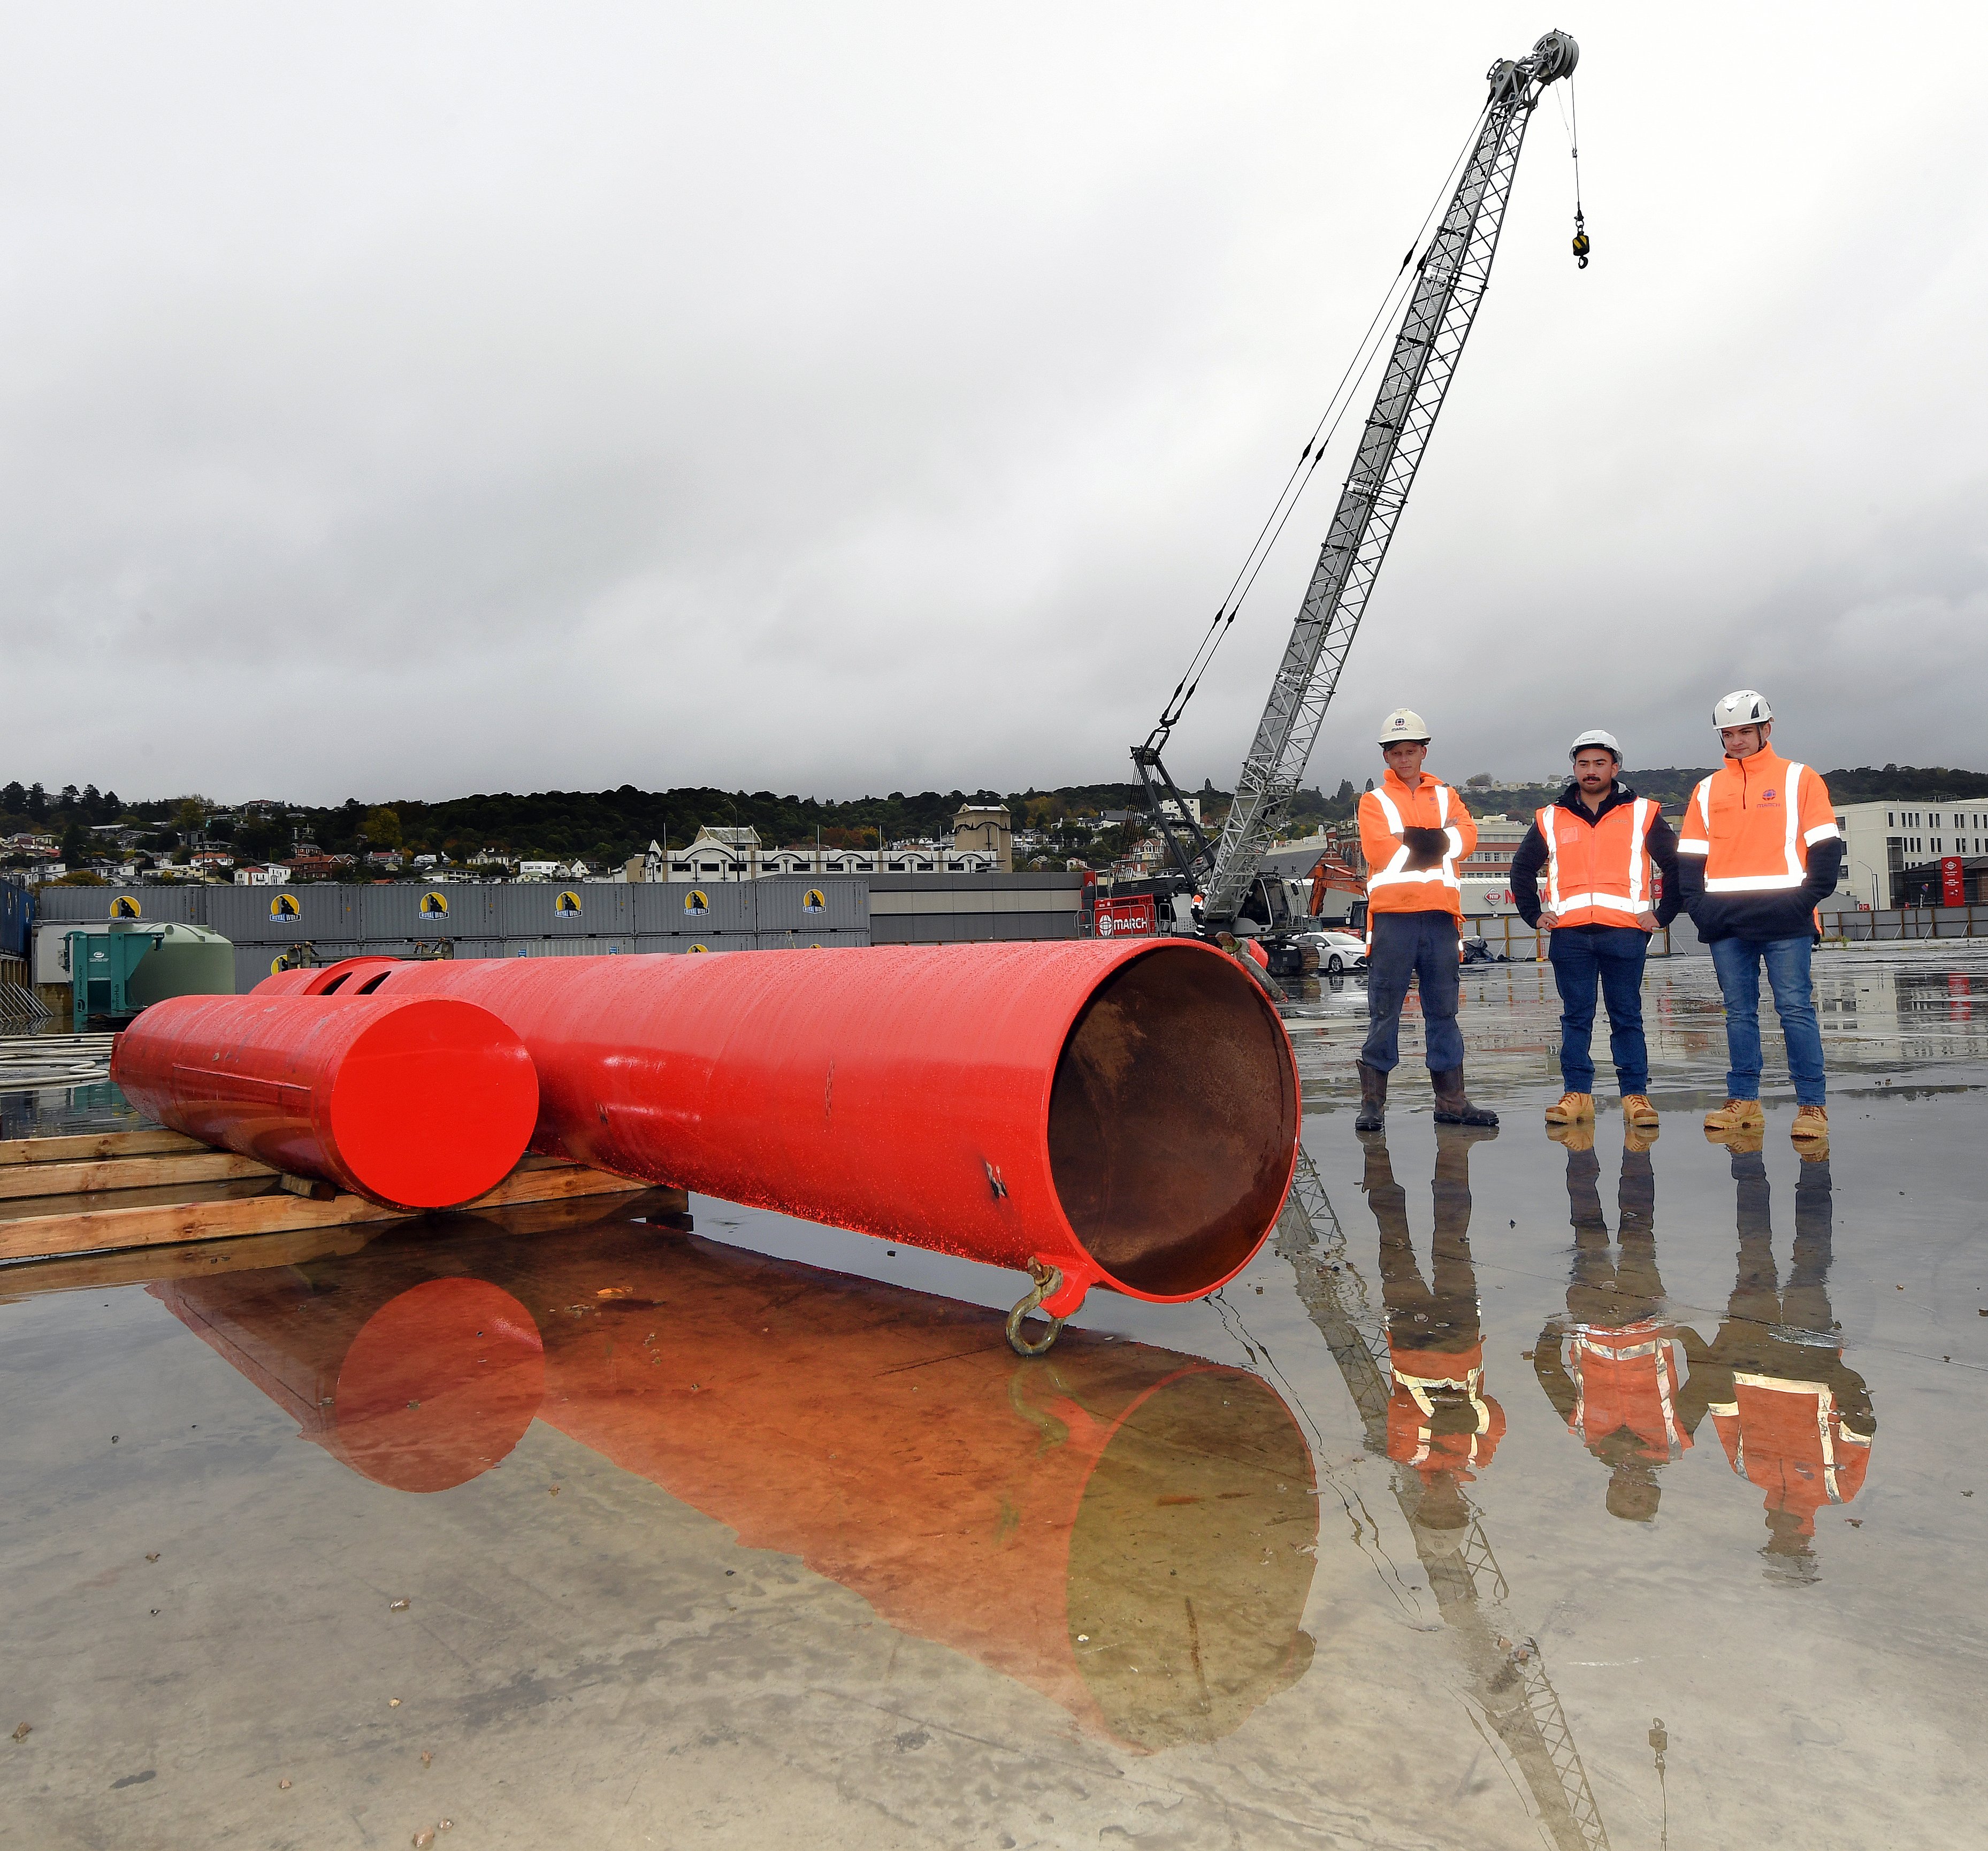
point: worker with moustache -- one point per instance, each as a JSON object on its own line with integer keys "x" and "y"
{"x": 1596, "y": 844}
{"x": 1413, "y": 830}
{"x": 1758, "y": 852}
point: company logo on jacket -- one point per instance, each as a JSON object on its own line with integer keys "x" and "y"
{"x": 1771, "y": 796}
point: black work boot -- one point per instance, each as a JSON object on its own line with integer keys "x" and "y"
{"x": 1452, "y": 1107}
{"x": 1372, "y": 1099}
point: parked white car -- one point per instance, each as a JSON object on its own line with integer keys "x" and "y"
{"x": 1337, "y": 952}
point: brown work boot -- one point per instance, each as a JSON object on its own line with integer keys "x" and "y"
{"x": 1736, "y": 1115}
{"x": 1453, "y": 1105}
{"x": 1372, "y": 1099}
{"x": 1638, "y": 1110}
{"x": 1570, "y": 1109}
{"x": 1576, "y": 1134}
{"x": 1811, "y": 1125}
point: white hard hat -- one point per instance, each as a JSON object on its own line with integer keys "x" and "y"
{"x": 1595, "y": 736}
{"x": 1404, "y": 726}
{"x": 1743, "y": 707}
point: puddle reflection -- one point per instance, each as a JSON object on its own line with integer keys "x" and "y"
{"x": 1614, "y": 1367}
{"x": 1127, "y": 1530}
{"x": 1794, "y": 1418}
{"x": 1415, "y": 1370}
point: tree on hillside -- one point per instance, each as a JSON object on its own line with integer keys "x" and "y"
{"x": 383, "y": 828}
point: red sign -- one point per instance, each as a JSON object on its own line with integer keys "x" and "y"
{"x": 1132, "y": 918}
{"x": 1953, "y": 881}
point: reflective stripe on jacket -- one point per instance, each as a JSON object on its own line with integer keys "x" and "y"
{"x": 1392, "y": 885}
{"x": 1755, "y": 822}
{"x": 1790, "y": 1439}
{"x": 1598, "y": 873}
{"x": 1758, "y": 848}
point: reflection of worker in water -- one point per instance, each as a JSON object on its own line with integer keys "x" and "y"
{"x": 1792, "y": 1417}
{"x": 1614, "y": 1366}
{"x": 1440, "y": 1420}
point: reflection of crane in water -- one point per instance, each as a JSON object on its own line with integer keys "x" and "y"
{"x": 1508, "y": 1673}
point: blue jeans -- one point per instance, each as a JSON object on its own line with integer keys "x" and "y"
{"x": 1738, "y": 962}
{"x": 1423, "y": 946}
{"x": 1613, "y": 954}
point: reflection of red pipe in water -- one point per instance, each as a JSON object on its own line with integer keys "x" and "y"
{"x": 1126, "y": 1113}
{"x": 417, "y": 1103}
{"x": 418, "y": 1383}
{"x": 1126, "y": 1530}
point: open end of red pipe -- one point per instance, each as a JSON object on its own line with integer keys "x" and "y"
{"x": 1173, "y": 1117}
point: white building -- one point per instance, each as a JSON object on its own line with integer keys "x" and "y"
{"x": 255, "y": 875}
{"x": 1883, "y": 837}
{"x": 738, "y": 854}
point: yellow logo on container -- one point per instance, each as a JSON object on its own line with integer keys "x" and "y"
{"x": 434, "y": 903}
{"x": 284, "y": 906}
{"x": 814, "y": 900}
{"x": 278, "y": 964}
{"x": 700, "y": 948}
{"x": 697, "y": 901}
{"x": 568, "y": 902}
{"x": 125, "y": 906}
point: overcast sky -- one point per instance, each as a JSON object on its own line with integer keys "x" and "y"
{"x": 422, "y": 399}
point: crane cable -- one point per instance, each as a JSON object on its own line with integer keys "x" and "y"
{"x": 1309, "y": 458}
{"x": 1571, "y": 109}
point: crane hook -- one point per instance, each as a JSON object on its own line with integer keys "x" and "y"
{"x": 1581, "y": 246}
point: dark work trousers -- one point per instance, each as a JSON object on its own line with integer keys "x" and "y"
{"x": 1613, "y": 954}
{"x": 1423, "y": 946}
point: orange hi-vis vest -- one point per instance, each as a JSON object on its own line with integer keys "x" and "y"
{"x": 1627, "y": 1375}
{"x": 1755, "y": 822}
{"x": 1392, "y": 885}
{"x": 1598, "y": 873}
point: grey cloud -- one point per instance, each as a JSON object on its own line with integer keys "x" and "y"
{"x": 421, "y": 403}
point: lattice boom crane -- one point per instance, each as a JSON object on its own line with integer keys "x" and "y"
{"x": 1449, "y": 284}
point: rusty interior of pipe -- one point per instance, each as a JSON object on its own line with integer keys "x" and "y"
{"x": 1172, "y": 1119}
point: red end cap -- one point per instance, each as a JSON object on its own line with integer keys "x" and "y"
{"x": 433, "y": 1104}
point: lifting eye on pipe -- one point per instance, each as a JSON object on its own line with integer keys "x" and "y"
{"x": 1049, "y": 1282}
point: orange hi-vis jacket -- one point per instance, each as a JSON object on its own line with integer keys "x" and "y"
{"x": 1399, "y": 879}
{"x": 1425, "y": 1379}
{"x": 1790, "y": 1439}
{"x": 1755, "y": 823}
{"x": 1598, "y": 873}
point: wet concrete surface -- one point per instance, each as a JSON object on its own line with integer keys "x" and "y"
{"x": 1518, "y": 1493}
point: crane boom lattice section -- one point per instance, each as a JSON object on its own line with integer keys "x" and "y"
{"x": 1449, "y": 287}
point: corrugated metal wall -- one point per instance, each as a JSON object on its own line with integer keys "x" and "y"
{"x": 951, "y": 909}
{"x": 530, "y": 919}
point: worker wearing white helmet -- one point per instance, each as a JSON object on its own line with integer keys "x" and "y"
{"x": 1758, "y": 851}
{"x": 1413, "y": 830}
{"x": 1597, "y": 845}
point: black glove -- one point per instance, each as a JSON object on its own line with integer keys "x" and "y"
{"x": 1426, "y": 847}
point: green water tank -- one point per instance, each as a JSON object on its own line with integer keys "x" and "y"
{"x": 119, "y": 970}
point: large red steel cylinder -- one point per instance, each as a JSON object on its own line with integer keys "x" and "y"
{"x": 1126, "y": 1113}
{"x": 411, "y": 1102}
